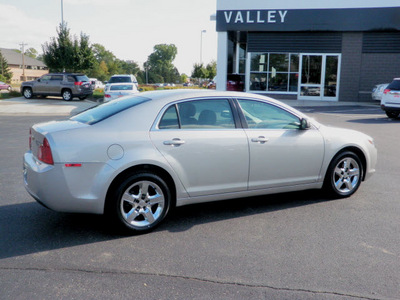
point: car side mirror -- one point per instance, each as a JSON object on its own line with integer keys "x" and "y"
{"x": 305, "y": 124}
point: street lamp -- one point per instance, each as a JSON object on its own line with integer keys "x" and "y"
{"x": 201, "y": 45}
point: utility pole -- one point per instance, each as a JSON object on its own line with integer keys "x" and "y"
{"x": 62, "y": 12}
{"x": 23, "y": 60}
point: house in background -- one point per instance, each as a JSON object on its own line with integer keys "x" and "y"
{"x": 33, "y": 68}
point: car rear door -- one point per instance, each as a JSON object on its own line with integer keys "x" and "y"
{"x": 280, "y": 153}
{"x": 200, "y": 141}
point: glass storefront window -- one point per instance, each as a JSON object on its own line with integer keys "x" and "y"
{"x": 280, "y": 71}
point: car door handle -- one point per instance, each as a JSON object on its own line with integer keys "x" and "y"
{"x": 260, "y": 139}
{"x": 174, "y": 142}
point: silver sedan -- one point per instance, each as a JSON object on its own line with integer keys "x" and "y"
{"x": 137, "y": 157}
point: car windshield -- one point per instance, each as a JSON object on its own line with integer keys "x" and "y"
{"x": 116, "y": 79}
{"x": 106, "y": 110}
{"x": 395, "y": 85}
{"x": 122, "y": 87}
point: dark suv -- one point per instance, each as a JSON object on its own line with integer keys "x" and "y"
{"x": 66, "y": 85}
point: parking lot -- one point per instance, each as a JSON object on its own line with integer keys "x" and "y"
{"x": 289, "y": 246}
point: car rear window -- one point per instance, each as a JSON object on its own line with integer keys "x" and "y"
{"x": 116, "y": 79}
{"x": 395, "y": 85}
{"x": 83, "y": 78}
{"x": 106, "y": 110}
{"x": 122, "y": 87}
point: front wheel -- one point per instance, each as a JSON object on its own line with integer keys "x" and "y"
{"x": 28, "y": 94}
{"x": 141, "y": 202}
{"x": 67, "y": 95}
{"x": 393, "y": 114}
{"x": 344, "y": 175}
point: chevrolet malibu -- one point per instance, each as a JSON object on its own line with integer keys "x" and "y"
{"x": 137, "y": 157}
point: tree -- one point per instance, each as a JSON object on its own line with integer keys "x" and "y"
{"x": 160, "y": 66}
{"x": 5, "y": 72}
{"x": 212, "y": 69}
{"x": 31, "y": 52}
{"x": 65, "y": 53}
{"x": 199, "y": 71}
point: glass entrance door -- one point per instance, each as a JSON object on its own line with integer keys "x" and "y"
{"x": 319, "y": 77}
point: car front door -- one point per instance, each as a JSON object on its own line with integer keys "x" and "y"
{"x": 41, "y": 85}
{"x": 281, "y": 154}
{"x": 200, "y": 141}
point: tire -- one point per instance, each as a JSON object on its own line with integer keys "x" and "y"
{"x": 392, "y": 114}
{"x": 82, "y": 97}
{"x": 140, "y": 202}
{"x": 67, "y": 95}
{"x": 344, "y": 175}
{"x": 28, "y": 94}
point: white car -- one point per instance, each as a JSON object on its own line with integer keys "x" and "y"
{"x": 377, "y": 91}
{"x": 122, "y": 78}
{"x": 96, "y": 84}
{"x": 390, "y": 102}
{"x": 137, "y": 157}
{"x": 117, "y": 90}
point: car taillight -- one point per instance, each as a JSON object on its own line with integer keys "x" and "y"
{"x": 44, "y": 153}
{"x": 78, "y": 82}
{"x": 107, "y": 96}
{"x": 386, "y": 91}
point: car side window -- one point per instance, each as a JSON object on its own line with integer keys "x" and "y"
{"x": 70, "y": 78}
{"x": 57, "y": 77}
{"x": 45, "y": 78}
{"x": 267, "y": 116}
{"x": 170, "y": 119}
{"x": 201, "y": 114}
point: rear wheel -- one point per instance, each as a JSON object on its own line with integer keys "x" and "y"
{"x": 393, "y": 114}
{"x": 67, "y": 95}
{"x": 141, "y": 202}
{"x": 344, "y": 175}
{"x": 82, "y": 97}
{"x": 27, "y": 93}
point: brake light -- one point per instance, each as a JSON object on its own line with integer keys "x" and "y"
{"x": 78, "y": 82}
{"x": 107, "y": 96}
{"x": 386, "y": 91}
{"x": 44, "y": 153}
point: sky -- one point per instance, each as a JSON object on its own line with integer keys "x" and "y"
{"x": 128, "y": 28}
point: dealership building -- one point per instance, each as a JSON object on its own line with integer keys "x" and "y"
{"x": 309, "y": 50}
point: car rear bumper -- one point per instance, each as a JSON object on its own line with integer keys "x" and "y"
{"x": 65, "y": 189}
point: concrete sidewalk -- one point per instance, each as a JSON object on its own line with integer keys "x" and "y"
{"x": 48, "y": 106}
{"x": 56, "y": 106}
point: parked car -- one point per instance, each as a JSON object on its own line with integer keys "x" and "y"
{"x": 117, "y": 90}
{"x": 96, "y": 84}
{"x": 235, "y": 82}
{"x": 377, "y": 91}
{"x": 123, "y": 78}
{"x": 137, "y": 157}
{"x": 66, "y": 85}
{"x": 5, "y": 86}
{"x": 390, "y": 102}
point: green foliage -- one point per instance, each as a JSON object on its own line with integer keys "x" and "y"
{"x": 5, "y": 72}
{"x": 212, "y": 69}
{"x": 31, "y": 52}
{"x": 199, "y": 71}
{"x": 66, "y": 53}
{"x": 160, "y": 64}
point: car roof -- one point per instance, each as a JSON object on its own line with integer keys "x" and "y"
{"x": 167, "y": 96}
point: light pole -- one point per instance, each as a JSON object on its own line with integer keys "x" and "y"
{"x": 201, "y": 45}
{"x": 62, "y": 12}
